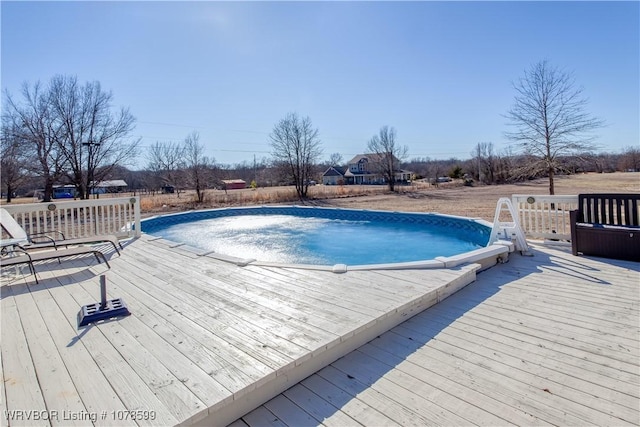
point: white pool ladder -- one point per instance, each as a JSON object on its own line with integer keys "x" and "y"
{"x": 509, "y": 230}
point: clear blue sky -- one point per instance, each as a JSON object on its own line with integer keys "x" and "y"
{"x": 441, "y": 73}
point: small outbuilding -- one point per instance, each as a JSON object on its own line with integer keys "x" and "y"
{"x": 110, "y": 186}
{"x": 234, "y": 184}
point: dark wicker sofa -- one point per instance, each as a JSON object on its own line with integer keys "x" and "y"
{"x": 607, "y": 225}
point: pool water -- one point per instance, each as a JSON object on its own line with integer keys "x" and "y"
{"x": 319, "y": 240}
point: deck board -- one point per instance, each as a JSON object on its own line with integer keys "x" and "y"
{"x": 554, "y": 354}
{"x": 456, "y": 397}
{"x": 48, "y": 362}
{"x": 555, "y": 371}
{"x": 21, "y": 383}
{"x": 344, "y": 402}
{"x": 548, "y": 339}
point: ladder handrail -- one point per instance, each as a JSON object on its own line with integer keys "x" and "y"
{"x": 514, "y": 226}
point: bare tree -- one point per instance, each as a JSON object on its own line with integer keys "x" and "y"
{"x": 505, "y": 166}
{"x": 486, "y": 162}
{"x": 12, "y": 161}
{"x": 166, "y": 160}
{"x": 389, "y": 154}
{"x": 335, "y": 159}
{"x": 549, "y": 117}
{"x": 93, "y": 138}
{"x": 199, "y": 168}
{"x": 33, "y": 127}
{"x": 296, "y": 147}
{"x": 630, "y": 159}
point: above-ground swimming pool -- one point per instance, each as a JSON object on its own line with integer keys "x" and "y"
{"x": 322, "y": 236}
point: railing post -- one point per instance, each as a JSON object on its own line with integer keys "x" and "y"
{"x": 136, "y": 215}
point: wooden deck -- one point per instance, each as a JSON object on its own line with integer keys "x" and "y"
{"x": 551, "y": 339}
{"x": 207, "y": 340}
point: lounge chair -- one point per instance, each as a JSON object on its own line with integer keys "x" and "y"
{"x": 43, "y": 240}
{"x": 20, "y": 256}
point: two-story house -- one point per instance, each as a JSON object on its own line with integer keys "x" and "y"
{"x": 362, "y": 169}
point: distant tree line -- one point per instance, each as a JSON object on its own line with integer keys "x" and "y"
{"x": 488, "y": 167}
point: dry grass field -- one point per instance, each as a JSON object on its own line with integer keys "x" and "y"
{"x": 449, "y": 198}
{"x": 480, "y": 202}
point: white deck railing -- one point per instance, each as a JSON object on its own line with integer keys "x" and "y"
{"x": 545, "y": 217}
{"x": 80, "y": 218}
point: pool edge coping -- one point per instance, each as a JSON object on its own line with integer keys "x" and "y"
{"x": 497, "y": 251}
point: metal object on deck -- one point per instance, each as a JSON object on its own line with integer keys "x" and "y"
{"x": 103, "y": 310}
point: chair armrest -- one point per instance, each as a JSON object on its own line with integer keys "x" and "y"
{"x": 15, "y": 250}
{"x": 45, "y": 234}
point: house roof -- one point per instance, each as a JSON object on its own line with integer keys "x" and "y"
{"x": 372, "y": 157}
{"x": 234, "y": 181}
{"x": 363, "y": 173}
{"x": 334, "y": 171}
{"x": 359, "y": 157}
{"x": 112, "y": 183}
